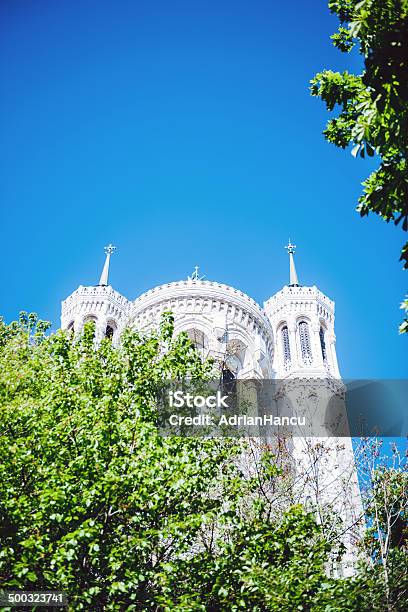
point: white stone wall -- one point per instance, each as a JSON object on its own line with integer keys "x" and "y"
{"x": 102, "y": 304}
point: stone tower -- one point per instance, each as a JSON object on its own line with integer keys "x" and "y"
{"x": 305, "y": 362}
{"x": 99, "y": 303}
{"x": 302, "y": 320}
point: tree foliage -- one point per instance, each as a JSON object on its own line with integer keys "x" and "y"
{"x": 384, "y": 487}
{"x": 386, "y": 538}
{"x": 96, "y": 503}
{"x": 373, "y": 107}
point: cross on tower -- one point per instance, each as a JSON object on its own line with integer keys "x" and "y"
{"x": 291, "y": 248}
{"x": 110, "y": 249}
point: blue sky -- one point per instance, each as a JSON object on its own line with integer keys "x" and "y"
{"x": 184, "y": 132}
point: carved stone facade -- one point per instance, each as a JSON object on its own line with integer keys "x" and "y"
{"x": 102, "y": 304}
{"x": 291, "y": 307}
{"x": 227, "y": 321}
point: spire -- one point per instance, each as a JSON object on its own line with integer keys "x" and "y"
{"x": 293, "y": 279}
{"x": 103, "y": 281}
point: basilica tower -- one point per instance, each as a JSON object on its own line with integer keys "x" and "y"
{"x": 302, "y": 319}
{"x": 99, "y": 303}
{"x": 308, "y": 384}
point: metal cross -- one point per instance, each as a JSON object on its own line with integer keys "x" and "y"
{"x": 290, "y": 247}
{"x": 110, "y": 249}
{"x": 195, "y": 275}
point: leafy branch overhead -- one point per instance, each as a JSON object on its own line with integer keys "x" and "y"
{"x": 373, "y": 106}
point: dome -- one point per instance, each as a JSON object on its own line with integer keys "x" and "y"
{"x": 221, "y": 315}
{"x": 197, "y": 289}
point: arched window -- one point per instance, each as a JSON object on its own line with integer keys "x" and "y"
{"x": 232, "y": 364}
{"x": 285, "y": 345}
{"x": 229, "y": 373}
{"x": 90, "y": 318}
{"x": 305, "y": 346}
{"x": 234, "y": 359}
{"x": 110, "y": 329}
{"x": 323, "y": 343}
{"x": 71, "y": 328}
{"x": 200, "y": 341}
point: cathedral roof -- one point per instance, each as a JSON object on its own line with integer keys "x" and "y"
{"x": 199, "y": 289}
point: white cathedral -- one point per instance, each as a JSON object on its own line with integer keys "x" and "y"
{"x": 291, "y": 335}
{"x": 291, "y": 338}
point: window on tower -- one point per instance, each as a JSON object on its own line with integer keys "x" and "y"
{"x": 199, "y": 340}
{"x": 305, "y": 346}
{"x": 229, "y": 382}
{"x": 323, "y": 343}
{"x": 234, "y": 356}
{"x": 110, "y": 330}
{"x": 90, "y": 319}
{"x": 285, "y": 345}
{"x": 227, "y": 374}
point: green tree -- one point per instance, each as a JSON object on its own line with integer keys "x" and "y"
{"x": 381, "y": 580}
{"x": 373, "y": 107}
{"x": 259, "y": 565}
{"x": 384, "y": 483}
{"x": 96, "y": 503}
